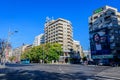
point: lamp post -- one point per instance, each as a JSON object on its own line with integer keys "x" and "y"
{"x": 6, "y": 53}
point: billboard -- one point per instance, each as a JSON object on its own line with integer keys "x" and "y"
{"x": 100, "y": 44}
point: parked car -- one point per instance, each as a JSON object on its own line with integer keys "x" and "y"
{"x": 91, "y": 63}
{"x": 104, "y": 63}
{"x": 25, "y": 61}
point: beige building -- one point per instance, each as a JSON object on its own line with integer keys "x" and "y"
{"x": 60, "y": 31}
{"x": 17, "y": 52}
{"x": 76, "y": 46}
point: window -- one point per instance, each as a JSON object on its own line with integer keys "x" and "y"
{"x": 117, "y": 44}
{"x": 112, "y": 13}
{"x": 90, "y": 23}
{"x": 91, "y": 19}
{"x": 116, "y": 31}
{"x": 107, "y": 18}
{"x": 95, "y": 17}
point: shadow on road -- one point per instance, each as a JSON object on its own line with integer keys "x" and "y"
{"x": 42, "y": 75}
{"x": 17, "y": 65}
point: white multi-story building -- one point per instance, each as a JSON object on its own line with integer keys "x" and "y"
{"x": 104, "y": 30}
{"x": 39, "y": 40}
{"x": 60, "y": 31}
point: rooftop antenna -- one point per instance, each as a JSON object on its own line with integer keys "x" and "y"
{"x": 52, "y": 18}
{"x": 47, "y": 19}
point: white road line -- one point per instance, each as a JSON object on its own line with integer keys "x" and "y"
{"x": 61, "y": 70}
{"x": 89, "y": 79}
{"x": 111, "y": 77}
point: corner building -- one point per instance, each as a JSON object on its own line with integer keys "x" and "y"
{"x": 59, "y": 31}
{"x": 104, "y": 31}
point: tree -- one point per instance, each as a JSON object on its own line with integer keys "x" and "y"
{"x": 12, "y": 58}
{"x": 51, "y": 51}
{"x": 2, "y": 49}
{"x": 84, "y": 58}
{"x": 46, "y": 52}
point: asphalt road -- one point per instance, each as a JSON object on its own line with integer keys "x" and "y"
{"x": 51, "y": 72}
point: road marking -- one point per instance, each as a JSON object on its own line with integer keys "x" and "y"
{"x": 111, "y": 77}
{"x": 61, "y": 70}
{"x": 89, "y": 79}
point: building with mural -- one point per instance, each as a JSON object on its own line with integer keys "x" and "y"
{"x": 104, "y": 31}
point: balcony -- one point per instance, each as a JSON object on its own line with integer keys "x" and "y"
{"x": 60, "y": 33}
{"x": 60, "y": 39}
{"x": 69, "y": 29}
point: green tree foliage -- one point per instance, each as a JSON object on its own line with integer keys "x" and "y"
{"x": 46, "y": 52}
{"x": 84, "y": 58}
{"x": 12, "y": 58}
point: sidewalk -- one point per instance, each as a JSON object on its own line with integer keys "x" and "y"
{"x": 113, "y": 73}
{"x": 2, "y": 66}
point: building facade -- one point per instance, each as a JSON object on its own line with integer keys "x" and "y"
{"x": 59, "y": 31}
{"x": 39, "y": 40}
{"x": 104, "y": 31}
{"x": 87, "y": 55}
{"x": 75, "y": 53}
{"x": 17, "y": 52}
{"x": 77, "y": 46}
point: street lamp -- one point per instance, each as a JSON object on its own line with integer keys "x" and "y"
{"x": 8, "y": 45}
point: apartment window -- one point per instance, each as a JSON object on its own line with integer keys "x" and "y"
{"x": 116, "y": 31}
{"x": 59, "y": 24}
{"x": 105, "y": 14}
{"x": 107, "y": 18}
{"x": 117, "y": 39}
{"x": 90, "y": 23}
{"x": 95, "y": 17}
{"x": 113, "y": 13}
{"x": 119, "y": 31}
{"x": 100, "y": 15}
{"x": 117, "y": 44}
{"x": 90, "y": 18}
{"x": 100, "y": 21}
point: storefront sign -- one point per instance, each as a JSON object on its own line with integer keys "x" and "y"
{"x": 101, "y": 56}
{"x": 98, "y": 10}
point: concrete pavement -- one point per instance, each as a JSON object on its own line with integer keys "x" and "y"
{"x": 58, "y": 72}
{"x": 2, "y": 66}
{"x": 111, "y": 73}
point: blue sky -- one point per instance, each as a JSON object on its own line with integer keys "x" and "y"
{"x": 28, "y": 17}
